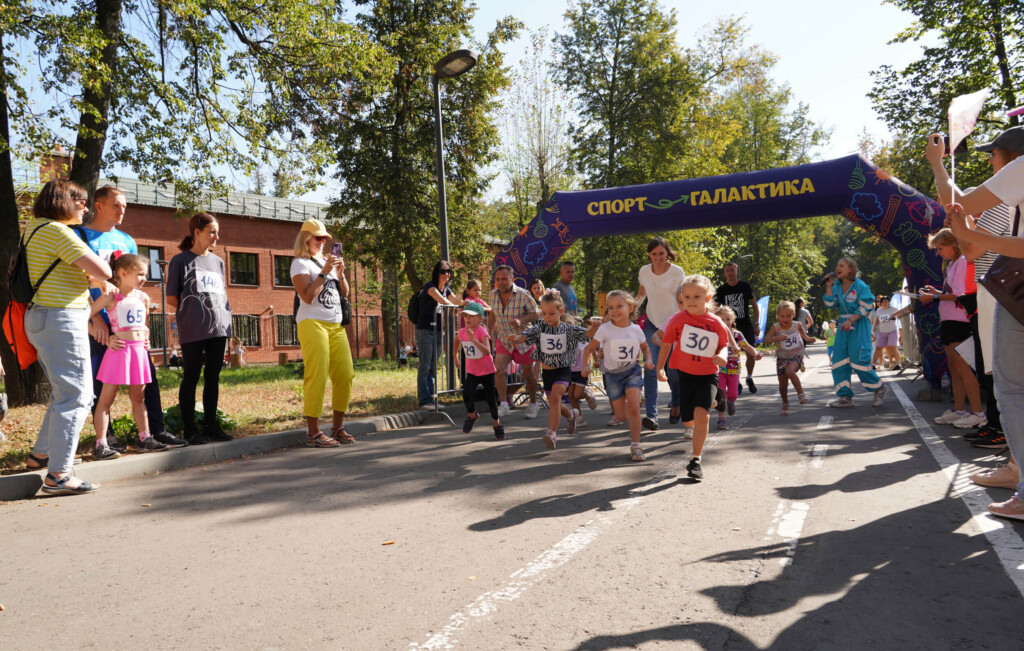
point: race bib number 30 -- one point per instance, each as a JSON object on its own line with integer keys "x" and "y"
{"x": 471, "y": 350}
{"x": 701, "y": 343}
{"x": 208, "y": 282}
{"x": 553, "y": 344}
{"x": 131, "y": 313}
{"x": 623, "y": 351}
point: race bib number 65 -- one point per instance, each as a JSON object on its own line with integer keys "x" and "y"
{"x": 701, "y": 343}
{"x": 552, "y": 344}
{"x": 131, "y": 313}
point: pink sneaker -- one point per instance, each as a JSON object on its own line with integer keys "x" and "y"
{"x": 1012, "y": 508}
{"x": 550, "y": 439}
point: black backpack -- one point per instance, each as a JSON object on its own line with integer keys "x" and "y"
{"x": 413, "y": 311}
{"x": 19, "y": 283}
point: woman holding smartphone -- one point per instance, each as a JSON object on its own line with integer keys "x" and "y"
{"x": 320, "y": 284}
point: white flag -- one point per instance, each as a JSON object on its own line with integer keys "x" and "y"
{"x": 963, "y": 114}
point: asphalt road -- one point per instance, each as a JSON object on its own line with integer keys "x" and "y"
{"x": 826, "y": 529}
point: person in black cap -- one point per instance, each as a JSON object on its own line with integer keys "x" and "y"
{"x": 1005, "y": 187}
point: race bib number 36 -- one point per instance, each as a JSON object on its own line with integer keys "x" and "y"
{"x": 623, "y": 351}
{"x": 208, "y": 282}
{"x": 471, "y": 350}
{"x": 131, "y": 313}
{"x": 552, "y": 344}
{"x": 701, "y": 343}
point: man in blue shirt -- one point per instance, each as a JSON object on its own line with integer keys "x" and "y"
{"x": 104, "y": 238}
{"x": 564, "y": 286}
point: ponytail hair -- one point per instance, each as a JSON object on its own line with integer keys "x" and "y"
{"x": 198, "y": 222}
{"x": 119, "y": 260}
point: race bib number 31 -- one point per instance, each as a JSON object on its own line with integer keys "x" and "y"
{"x": 701, "y": 343}
{"x": 208, "y": 282}
{"x": 131, "y": 313}
{"x": 623, "y": 351}
{"x": 552, "y": 344}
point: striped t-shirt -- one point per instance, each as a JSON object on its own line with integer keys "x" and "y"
{"x": 997, "y": 220}
{"x": 67, "y": 285}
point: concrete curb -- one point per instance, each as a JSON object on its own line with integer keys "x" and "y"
{"x": 26, "y": 485}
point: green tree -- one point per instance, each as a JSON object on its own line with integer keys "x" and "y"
{"x": 175, "y": 89}
{"x": 385, "y": 147}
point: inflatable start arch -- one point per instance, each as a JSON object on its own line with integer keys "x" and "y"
{"x": 851, "y": 186}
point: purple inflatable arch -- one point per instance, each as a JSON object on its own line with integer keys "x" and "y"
{"x": 851, "y": 186}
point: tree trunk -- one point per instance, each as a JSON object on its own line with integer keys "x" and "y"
{"x": 1002, "y": 60}
{"x": 92, "y": 127}
{"x": 28, "y": 386}
{"x": 389, "y": 307}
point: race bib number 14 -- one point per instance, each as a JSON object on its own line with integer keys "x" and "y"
{"x": 701, "y": 343}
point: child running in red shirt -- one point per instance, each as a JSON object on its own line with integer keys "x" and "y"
{"x": 700, "y": 340}
{"x": 476, "y": 353}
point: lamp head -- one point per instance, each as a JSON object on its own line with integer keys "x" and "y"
{"x": 454, "y": 64}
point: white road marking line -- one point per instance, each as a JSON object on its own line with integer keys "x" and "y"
{"x": 561, "y": 553}
{"x": 788, "y": 520}
{"x": 1005, "y": 540}
{"x": 826, "y": 422}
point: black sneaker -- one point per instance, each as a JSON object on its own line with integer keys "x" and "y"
{"x": 115, "y": 445}
{"x": 101, "y": 452}
{"x": 194, "y": 437}
{"x": 650, "y": 423}
{"x": 499, "y": 432}
{"x": 982, "y": 433}
{"x": 215, "y": 433}
{"x": 693, "y": 469}
{"x": 751, "y": 385}
{"x": 467, "y": 426}
{"x": 150, "y": 444}
{"x": 170, "y": 440}
{"x": 995, "y": 441}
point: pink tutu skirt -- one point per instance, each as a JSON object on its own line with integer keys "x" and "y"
{"x": 130, "y": 365}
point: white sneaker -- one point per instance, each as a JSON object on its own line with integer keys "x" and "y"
{"x": 1002, "y": 477}
{"x": 841, "y": 401}
{"x": 580, "y": 422}
{"x": 879, "y": 398}
{"x": 550, "y": 439}
{"x": 503, "y": 410}
{"x": 570, "y": 422}
{"x": 688, "y": 434}
{"x": 591, "y": 400}
{"x": 615, "y": 422}
{"x": 949, "y": 417}
{"x": 532, "y": 410}
{"x": 970, "y": 421}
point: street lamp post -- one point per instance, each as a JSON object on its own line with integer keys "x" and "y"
{"x": 163, "y": 303}
{"x": 451, "y": 65}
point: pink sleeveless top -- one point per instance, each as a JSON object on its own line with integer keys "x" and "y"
{"x": 128, "y": 313}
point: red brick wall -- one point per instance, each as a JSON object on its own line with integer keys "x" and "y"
{"x": 157, "y": 227}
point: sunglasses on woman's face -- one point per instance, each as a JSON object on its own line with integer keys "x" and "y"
{"x": 322, "y": 238}
{"x": 446, "y": 271}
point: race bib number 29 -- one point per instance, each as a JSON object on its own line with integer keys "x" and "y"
{"x": 471, "y": 350}
{"x": 701, "y": 343}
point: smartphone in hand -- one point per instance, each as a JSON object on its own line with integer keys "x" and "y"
{"x": 337, "y": 250}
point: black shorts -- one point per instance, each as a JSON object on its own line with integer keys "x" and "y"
{"x": 953, "y": 332}
{"x": 696, "y": 391}
{"x": 551, "y": 377}
{"x": 746, "y": 328}
{"x": 578, "y": 378}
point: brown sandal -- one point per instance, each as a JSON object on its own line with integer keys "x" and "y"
{"x": 341, "y": 436}
{"x": 321, "y": 440}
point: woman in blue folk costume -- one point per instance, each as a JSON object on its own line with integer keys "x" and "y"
{"x": 852, "y": 349}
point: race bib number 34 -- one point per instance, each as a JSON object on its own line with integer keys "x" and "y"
{"x": 552, "y": 344}
{"x": 701, "y": 343}
{"x": 131, "y": 313}
{"x": 208, "y": 282}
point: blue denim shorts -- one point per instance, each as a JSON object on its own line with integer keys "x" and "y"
{"x": 615, "y": 384}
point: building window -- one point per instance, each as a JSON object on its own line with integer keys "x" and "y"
{"x": 283, "y": 270}
{"x": 247, "y": 328}
{"x": 243, "y": 269}
{"x": 157, "y": 331}
{"x": 152, "y": 253}
{"x": 372, "y": 335}
{"x": 287, "y": 332}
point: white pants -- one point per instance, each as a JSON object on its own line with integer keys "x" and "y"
{"x": 986, "y": 320}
